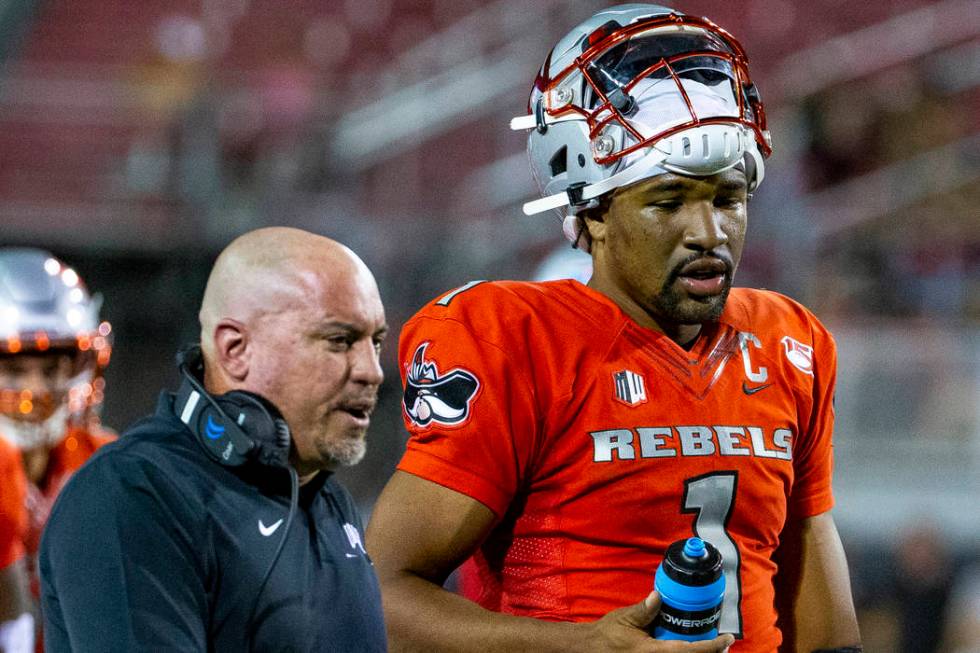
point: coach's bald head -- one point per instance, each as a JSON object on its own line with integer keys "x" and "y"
{"x": 297, "y": 318}
{"x": 266, "y": 271}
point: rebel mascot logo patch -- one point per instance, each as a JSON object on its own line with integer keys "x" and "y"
{"x": 433, "y": 397}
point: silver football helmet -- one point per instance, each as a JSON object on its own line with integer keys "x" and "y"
{"x": 53, "y": 348}
{"x": 635, "y": 91}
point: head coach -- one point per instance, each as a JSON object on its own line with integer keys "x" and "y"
{"x": 215, "y": 523}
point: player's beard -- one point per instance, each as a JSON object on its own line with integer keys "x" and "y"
{"x": 680, "y": 308}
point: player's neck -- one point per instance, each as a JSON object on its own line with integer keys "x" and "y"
{"x": 36, "y": 464}
{"x": 688, "y": 345}
{"x": 685, "y": 335}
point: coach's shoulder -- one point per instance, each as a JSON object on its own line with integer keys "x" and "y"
{"x": 146, "y": 461}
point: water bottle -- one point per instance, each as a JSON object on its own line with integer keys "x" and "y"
{"x": 691, "y": 586}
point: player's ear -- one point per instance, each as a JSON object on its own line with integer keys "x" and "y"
{"x": 594, "y": 219}
{"x": 596, "y": 228}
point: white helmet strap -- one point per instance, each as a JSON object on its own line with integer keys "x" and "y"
{"x": 581, "y": 194}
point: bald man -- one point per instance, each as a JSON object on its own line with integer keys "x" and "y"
{"x": 215, "y": 524}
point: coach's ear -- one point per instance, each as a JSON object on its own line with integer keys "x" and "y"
{"x": 231, "y": 349}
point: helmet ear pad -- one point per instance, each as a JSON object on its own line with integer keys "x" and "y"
{"x": 562, "y": 156}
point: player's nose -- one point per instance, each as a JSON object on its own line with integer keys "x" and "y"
{"x": 703, "y": 230}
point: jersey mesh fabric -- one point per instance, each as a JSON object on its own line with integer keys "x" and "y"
{"x": 591, "y": 484}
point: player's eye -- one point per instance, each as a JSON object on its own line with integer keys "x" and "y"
{"x": 667, "y": 205}
{"x": 728, "y": 201}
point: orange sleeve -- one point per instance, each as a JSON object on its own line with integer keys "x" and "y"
{"x": 467, "y": 406}
{"x": 13, "y": 506}
{"x": 814, "y": 457}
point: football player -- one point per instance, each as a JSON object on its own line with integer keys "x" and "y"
{"x": 53, "y": 351}
{"x": 563, "y": 435}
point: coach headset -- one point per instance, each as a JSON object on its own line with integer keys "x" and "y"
{"x": 258, "y": 435}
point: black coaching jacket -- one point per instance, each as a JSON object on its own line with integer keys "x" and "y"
{"x": 154, "y": 546}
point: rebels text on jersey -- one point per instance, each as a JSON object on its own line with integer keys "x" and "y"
{"x": 597, "y": 442}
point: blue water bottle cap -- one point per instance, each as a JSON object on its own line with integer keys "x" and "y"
{"x": 694, "y": 548}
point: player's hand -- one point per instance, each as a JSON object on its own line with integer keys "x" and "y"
{"x": 625, "y": 630}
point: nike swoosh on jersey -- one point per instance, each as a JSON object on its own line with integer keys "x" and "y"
{"x": 268, "y": 530}
{"x": 752, "y": 390}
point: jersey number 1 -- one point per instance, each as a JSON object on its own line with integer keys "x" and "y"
{"x": 712, "y": 497}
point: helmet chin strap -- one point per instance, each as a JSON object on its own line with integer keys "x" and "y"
{"x": 646, "y": 167}
{"x": 30, "y": 435}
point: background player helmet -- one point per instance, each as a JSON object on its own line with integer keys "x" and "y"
{"x": 47, "y": 315}
{"x": 635, "y": 91}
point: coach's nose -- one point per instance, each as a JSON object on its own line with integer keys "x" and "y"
{"x": 365, "y": 362}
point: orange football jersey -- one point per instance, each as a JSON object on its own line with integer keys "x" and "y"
{"x": 597, "y": 442}
{"x": 13, "y": 515}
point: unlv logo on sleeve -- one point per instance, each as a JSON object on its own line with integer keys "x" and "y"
{"x": 431, "y": 397}
{"x": 800, "y": 355}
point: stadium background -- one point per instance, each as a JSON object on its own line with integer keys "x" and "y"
{"x": 138, "y": 138}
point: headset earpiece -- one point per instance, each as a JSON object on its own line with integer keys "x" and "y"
{"x": 233, "y": 428}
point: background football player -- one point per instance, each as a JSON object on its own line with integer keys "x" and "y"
{"x": 53, "y": 351}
